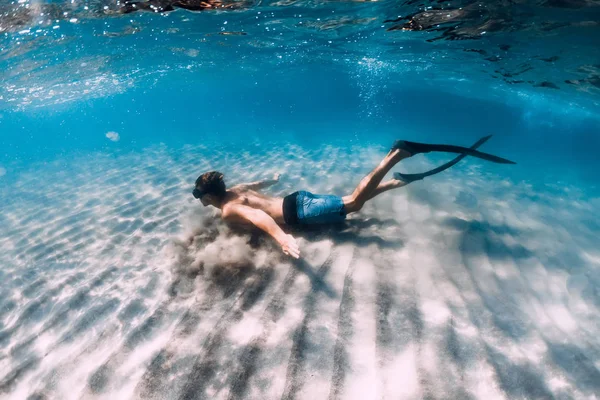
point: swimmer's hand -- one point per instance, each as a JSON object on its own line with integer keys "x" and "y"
{"x": 290, "y": 246}
{"x": 276, "y": 176}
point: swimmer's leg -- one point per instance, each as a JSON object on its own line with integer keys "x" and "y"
{"x": 388, "y": 185}
{"x": 401, "y": 179}
{"x": 368, "y": 186}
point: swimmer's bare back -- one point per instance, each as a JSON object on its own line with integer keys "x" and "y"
{"x": 244, "y": 205}
{"x": 251, "y": 198}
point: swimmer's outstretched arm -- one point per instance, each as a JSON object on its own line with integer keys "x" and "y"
{"x": 259, "y": 184}
{"x": 262, "y": 220}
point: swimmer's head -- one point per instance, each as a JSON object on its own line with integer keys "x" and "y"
{"x": 210, "y": 188}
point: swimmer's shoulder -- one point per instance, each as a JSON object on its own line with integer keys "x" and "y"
{"x": 228, "y": 211}
{"x": 240, "y": 198}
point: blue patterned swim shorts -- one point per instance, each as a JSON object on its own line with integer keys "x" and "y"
{"x": 303, "y": 207}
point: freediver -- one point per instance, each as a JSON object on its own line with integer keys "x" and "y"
{"x": 244, "y": 204}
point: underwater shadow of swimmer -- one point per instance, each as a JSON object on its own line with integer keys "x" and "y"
{"x": 317, "y": 282}
{"x": 228, "y": 278}
{"x": 495, "y": 247}
{"x": 316, "y": 277}
{"x": 349, "y": 232}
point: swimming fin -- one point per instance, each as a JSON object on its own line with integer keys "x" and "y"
{"x": 416, "y": 148}
{"x": 408, "y": 178}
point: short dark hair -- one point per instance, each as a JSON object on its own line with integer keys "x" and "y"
{"x": 211, "y": 183}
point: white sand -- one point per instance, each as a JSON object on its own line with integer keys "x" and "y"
{"x": 116, "y": 283}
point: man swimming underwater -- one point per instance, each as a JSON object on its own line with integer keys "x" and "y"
{"x": 244, "y": 204}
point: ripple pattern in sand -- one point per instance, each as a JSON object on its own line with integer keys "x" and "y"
{"x": 117, "y": 284}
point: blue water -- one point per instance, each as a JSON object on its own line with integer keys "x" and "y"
{"x": 480, "y": 282}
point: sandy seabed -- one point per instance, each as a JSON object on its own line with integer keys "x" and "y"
{"x": 116, "y": 283}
